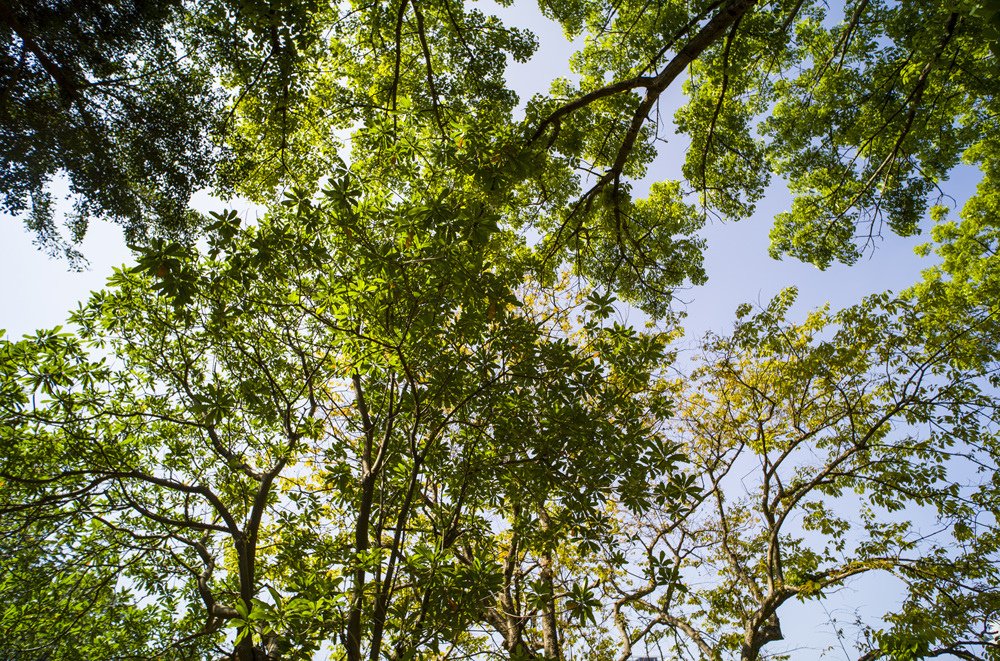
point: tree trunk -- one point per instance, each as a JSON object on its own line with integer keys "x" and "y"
{"x": 550, "y": 626}
{"x": 361, "y": 543}
{"x": 758, "y": 636}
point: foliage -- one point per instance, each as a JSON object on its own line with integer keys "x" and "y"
{"x": 863, "y": 117}
{"x": 96, "y": 91}
{"x": 826, "y": 450}
{"x": 342, "y": 436}
{"x": 402, "y": 414}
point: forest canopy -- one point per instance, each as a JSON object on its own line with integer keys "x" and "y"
{"x": 401, "y": 415}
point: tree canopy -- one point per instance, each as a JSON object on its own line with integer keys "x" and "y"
{"x": 401, "y": 416}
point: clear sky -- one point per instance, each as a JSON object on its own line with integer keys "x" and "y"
{"x": 38, "y": 291}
